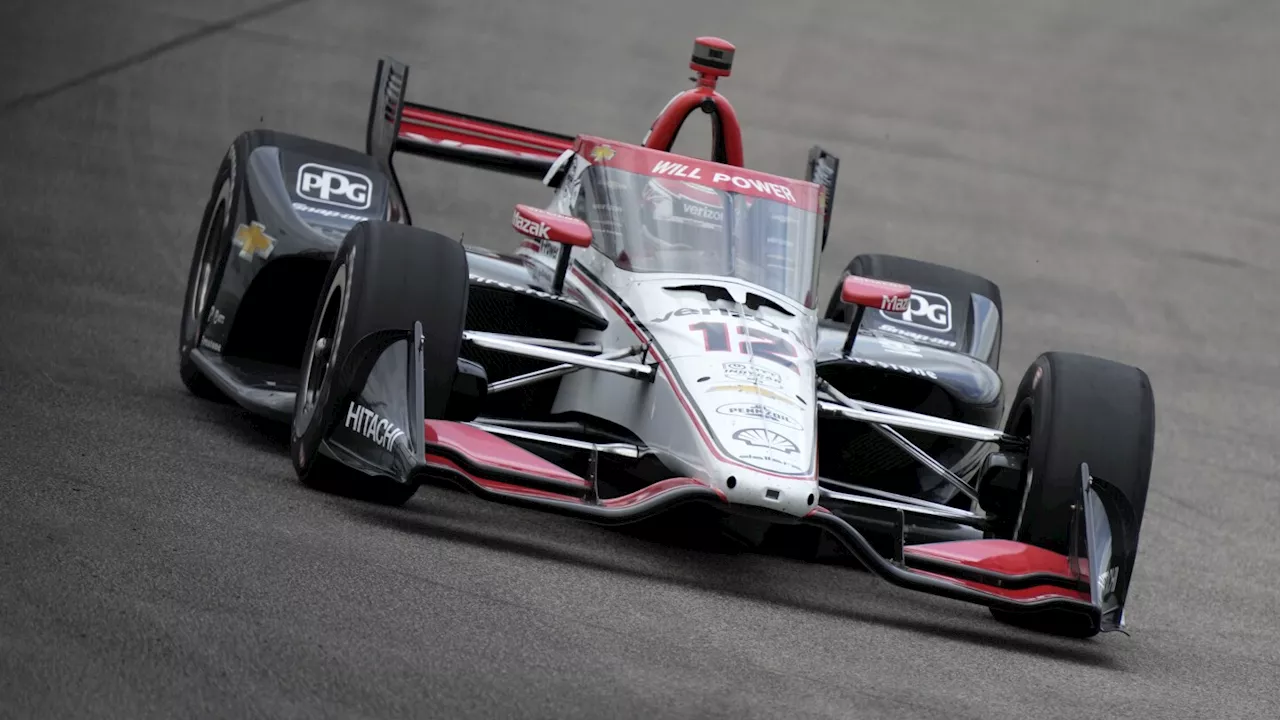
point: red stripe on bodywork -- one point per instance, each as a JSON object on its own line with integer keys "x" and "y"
{"x": 443, "y": 127}
{"x": 488, "y": 449}
{"x": 603, "y": 294}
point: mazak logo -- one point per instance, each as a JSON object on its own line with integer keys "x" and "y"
{"x": 926, "y": 310}
{"x": 894, "y": 304}
{"x": 343, "y": 188}
{"x": 759, "y": 412}
{"x": 530, "y": 227}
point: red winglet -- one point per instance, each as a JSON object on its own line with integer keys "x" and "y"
{"x": 488, "y": 449}
{"x": 874, "y": 293}
{"x": 540, "y": 224}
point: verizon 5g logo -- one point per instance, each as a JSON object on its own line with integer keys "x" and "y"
{"x": 343, "y": 188}
{"x": 926, "y": 310}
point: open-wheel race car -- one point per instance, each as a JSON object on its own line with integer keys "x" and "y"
{"x": 656, "y": 341}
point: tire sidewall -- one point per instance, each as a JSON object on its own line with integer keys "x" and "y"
{"x": 214, "y": 228}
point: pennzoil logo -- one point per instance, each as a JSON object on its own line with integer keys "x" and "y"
{"x": 602, "y": 153}
{"x": 252, "y": 239}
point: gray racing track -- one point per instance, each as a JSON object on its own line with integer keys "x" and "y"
{"x": 1113, "y": 165}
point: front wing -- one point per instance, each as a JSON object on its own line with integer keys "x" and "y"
{"x": 1000, "y": 574}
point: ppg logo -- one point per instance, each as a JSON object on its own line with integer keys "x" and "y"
{"x": 343, "y": 188}
{"x": 928, "y": 311}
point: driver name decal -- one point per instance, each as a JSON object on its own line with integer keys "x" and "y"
{"x": 724, "y": 180}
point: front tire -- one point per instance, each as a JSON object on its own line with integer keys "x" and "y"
{"x": 1078, "y": 409}
{"x": 385, "y": 277}
{"x": 208, "y": 262}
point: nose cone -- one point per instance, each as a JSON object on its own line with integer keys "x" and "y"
{"x": 791, "y": 495}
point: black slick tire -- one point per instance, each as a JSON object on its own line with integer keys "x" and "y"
{"x": 385, "y": 276}
{"x": 208, "y": 261}
{"x": 1078, "y": 409}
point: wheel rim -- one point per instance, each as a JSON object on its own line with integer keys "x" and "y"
{"x": 321, "y": 351}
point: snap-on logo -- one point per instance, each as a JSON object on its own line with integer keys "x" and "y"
{"x": 344, "y": 188}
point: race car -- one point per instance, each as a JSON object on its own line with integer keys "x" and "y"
{"x": 657, "y": 341}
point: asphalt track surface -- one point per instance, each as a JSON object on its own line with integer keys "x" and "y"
{"x": 1113, "y": 165}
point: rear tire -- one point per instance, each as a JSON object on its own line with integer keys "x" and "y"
{"x": 952, "y": 282}
{"x": 386, "y": 276}
{"x": 1078, "y": 408}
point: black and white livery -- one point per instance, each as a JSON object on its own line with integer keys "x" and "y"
{"x": 658, "y": 340}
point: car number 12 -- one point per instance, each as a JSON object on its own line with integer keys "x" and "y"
{"x": 715, "y": 338}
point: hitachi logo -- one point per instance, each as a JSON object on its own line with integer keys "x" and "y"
{"x": 366, "y": 422}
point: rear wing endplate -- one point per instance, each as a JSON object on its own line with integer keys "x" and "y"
{"x": 822, "y": 170}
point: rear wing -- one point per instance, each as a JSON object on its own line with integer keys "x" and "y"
{"x": 396, "y": 125}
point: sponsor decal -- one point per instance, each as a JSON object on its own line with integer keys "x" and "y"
{"x": 602, "y": 153}
{"x": 762, "y": 438}
{"x": 376, "y": 428}
{"x": 893, "y": 347}
{"x": 702, "y": 211}
{"x": 752, "y": 373}
{"x": 333, "y": 186}
{"x": 824, "y": 176}
{"x": 1107, "y": 582}
{"x": 667, "y": 168}
{"x": 757, "y": 411}
{"x": 917, "y": 337}
{"x": 253, "y": 240}
{"x": 522, "y": 289}
{"x": 530, "y": 227}
{"x": 724, "y": 312}
{"x": 907, "y": 369}
{"x": 303, "y": 207}
{"x": 216, "y": 317}
{"x": 894, "y": 304}
{"x": 753, "y": 390}
{"x": 927, "y": 310}
{"x": 768, "y": 462}
{"x": 207, "y": 343}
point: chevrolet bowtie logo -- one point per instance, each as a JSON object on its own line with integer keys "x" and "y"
{"x": 602, "y": 153}
{"x": 253, "y": 240}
